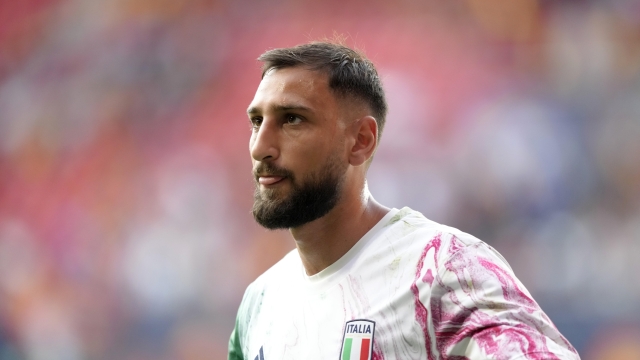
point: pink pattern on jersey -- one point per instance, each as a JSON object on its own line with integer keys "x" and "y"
{"x": 518, "y": 327}
{"x": 428, "y": 277}
{"x": 377, "y": 352}
{"x": 422, "y": 314}
{"x": 344, "y": 307}
{"x": 355, "y": 284}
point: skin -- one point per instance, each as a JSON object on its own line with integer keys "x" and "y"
{"x": 297, "y": 124}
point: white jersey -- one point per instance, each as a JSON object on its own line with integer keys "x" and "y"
{"x": 409, "y": 289}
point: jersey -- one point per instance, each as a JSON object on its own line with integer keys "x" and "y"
{"x": 409, "y": 289}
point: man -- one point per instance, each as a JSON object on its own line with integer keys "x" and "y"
{"x": 365, "y": 281}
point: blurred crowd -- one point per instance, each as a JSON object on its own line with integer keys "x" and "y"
{"x": 125, "y": 182}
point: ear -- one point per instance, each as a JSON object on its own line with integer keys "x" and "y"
{"x": 365, "y": 140}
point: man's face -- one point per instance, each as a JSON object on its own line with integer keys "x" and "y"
{"x": 297, "y": 148}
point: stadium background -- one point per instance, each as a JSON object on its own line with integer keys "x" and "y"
{"x": 125, "y": 183}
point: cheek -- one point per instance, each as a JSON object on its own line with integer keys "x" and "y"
{"x": 331, "y": 150}
{"x": 309, "y": 152}
{"x": 337, "y": 146}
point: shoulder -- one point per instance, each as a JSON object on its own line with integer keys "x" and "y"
{"x": 477, "y": 304}
{"x": 440, "y": 243}
{"x": 251, "y": 305}
{"x": 276, "y": 276}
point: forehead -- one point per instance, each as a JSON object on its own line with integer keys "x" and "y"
{"x": 293, "y": 86}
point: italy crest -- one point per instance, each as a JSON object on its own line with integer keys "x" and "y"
{"x": 357, "y": 342}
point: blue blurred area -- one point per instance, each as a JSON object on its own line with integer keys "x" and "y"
{"x": 125, "y": 184}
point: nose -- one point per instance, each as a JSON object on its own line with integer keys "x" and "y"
{"x": 264, "y": 142}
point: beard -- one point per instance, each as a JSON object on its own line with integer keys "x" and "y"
{"x": 312, "y": 199}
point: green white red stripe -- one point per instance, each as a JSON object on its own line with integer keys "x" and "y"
{"x": 357, "y": 342}
{"x": 357, "y": 352}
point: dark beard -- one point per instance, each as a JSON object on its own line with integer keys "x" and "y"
{"x": 311, "y": 200}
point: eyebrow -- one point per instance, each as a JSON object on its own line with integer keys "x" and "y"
{"x": 278, "y": 108}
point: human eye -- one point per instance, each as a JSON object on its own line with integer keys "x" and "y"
{"x": 293, "y": 119}
{"x": 255, "y": 122}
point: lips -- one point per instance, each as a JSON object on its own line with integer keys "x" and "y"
{"x": 269, "y": 179}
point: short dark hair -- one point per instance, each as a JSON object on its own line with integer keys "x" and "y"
{"x": 350, "y": 72}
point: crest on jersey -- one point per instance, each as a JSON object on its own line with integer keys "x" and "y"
{"x": 357, "y": 341}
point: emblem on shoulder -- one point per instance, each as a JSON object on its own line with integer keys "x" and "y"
{"x": 357, "y": 340}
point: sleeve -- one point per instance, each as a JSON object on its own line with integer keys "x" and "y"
{"x": 235, "y": 348}
{"x": 237, "y": 342}
{"x": 480, "y": 310}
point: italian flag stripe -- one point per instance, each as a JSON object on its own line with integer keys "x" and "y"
{"x": 346, "y": 352}
{"x": 356, "y": 351}
{"x": 364, "y": 349}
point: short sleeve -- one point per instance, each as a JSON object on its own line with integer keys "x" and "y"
{"x": 480, "y": 310}
{"x": 235, "y": 348}
{"x": 237, "y": 341}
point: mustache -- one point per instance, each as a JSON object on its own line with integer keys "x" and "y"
{"x": 265, "y": 168}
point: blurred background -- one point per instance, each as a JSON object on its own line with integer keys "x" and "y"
{"x": 125, "y": 185}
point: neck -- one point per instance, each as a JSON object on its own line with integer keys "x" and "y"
{"x": 323, "y": 241}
